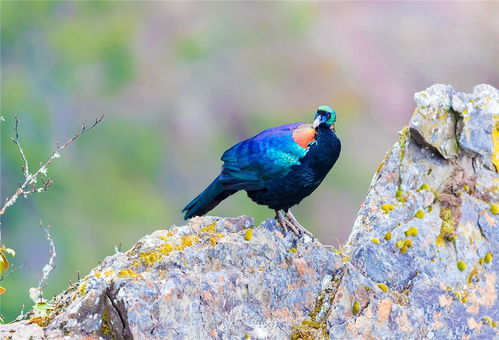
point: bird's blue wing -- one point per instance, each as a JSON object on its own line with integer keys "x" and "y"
{"x": 250, "y": 163}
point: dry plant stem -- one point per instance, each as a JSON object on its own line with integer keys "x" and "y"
{"x": 21, "y": 151}
{"x": 48, "y": 267}
{"x": 11, "y": 271}
{"x": 30, "y": 179}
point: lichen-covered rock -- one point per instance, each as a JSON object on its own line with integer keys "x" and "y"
{"x": 434, "y": 123}
{"x": 419, "y": 262}
{"x": 213, "y": 278}
{"x": 439, "y": 283}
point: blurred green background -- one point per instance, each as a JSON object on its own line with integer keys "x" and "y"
{"x": 180, "y": 83}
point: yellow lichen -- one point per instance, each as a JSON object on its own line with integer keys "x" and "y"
{"x": 356, "y": 308}
{"x": 248, "y": 234}
{"x": 388, "y": 236}
{"x": 461, "y": 265}
{"x": 488, "y": 258}
{"x": 380, "y": 166}
{"x": 214, "y": 238}
{"x": 399, "y": 195}
{"x": 166, "y": 249}
{"x": 210, "y": 229}
{"x": 42, "y": 321}
{"x": 82, "y": 290}
{"x": 383, "y": 287}
{"x": 105, "y": 328}
{"x": 466, "y": 187}
{"x": 447, "y": 229}
{"x": 375, "y": 240}
{"x": 292, "y": 250}
{"x": 313, "y": 324}
{"x": 412, "y": 231}
{"x": 419, "y": 213}
{"x": 472, "y": 274}
{"x": 446, "y": 214}
{"x": 109, "y": 272}
{"x": 403, "y": 245}
{"x": 403, "y": 139}
{"x": 127, "y": 273}
{"x": 97, "y": 274}
{"x": 149, "y": 257}
{"x": 495, "y": 142}
{"x": 424, "y": 187}
{"x": 494, "y": 208}
{"x": 387, "y": 207}
{"x": 188, "y": 241}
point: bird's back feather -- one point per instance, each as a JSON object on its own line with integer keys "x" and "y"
{"x": 272, "y": 152}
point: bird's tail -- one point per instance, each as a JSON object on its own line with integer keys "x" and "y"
{"x": 215, "y": 193}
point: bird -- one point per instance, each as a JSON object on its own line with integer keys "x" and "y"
{"x": 278, "y": 168}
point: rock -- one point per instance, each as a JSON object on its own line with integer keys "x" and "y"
{"x": 419, "y": 262}
{"x": 434, "y": 123}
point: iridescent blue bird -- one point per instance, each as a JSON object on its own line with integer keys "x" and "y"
{"x": 278, "y": 168}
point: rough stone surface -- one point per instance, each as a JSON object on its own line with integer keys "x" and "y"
{"x": 418, "y": 264}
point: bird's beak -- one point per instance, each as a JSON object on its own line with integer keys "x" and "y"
{"x": 317, "y": 122}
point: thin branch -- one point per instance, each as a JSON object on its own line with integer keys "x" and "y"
{"x": 31, "y": 179}
{"x": 36, "y": 294}
{"x": 13, "y": 270}
{"x": 21, "y": 151}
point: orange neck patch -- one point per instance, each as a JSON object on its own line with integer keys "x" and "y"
{"x": 304, "y": 134}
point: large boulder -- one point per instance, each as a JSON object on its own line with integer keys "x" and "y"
{"x": 418, "y": 264}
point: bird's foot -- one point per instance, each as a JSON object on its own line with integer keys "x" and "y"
{"x": 297, "y": 224}
{"x": 289, "y": 222}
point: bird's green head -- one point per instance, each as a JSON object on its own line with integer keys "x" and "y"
{"x": 325, "y": 116}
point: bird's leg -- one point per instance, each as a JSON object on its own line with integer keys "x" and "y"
{"x": 285, "y": 224}
{"x": 296, "y": 224}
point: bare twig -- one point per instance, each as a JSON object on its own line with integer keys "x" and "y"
{"x": 21, "y": 151}
{"x": 13, "y": 270}
{"x": 30, "y": 179}
{"x": 36, "y": 294}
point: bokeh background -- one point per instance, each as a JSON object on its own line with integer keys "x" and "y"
{"x": 180, "y": 83}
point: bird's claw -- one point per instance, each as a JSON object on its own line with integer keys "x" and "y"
{"x": 288, "y": 221}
